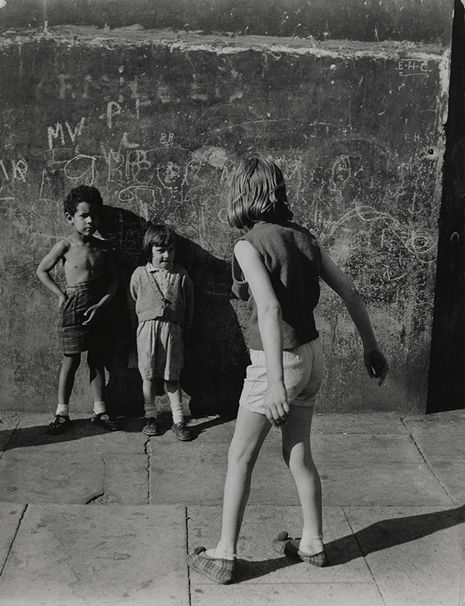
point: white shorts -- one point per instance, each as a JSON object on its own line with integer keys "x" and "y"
{"x": 303, "y": 369}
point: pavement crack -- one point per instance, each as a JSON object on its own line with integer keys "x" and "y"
{"x": 10, "y": 548}
{"x": 188, "y": 571}
{"x": 427, "y": 463}
{"x": 99, "y": 497}
{"x": 354, "y": 534}
{"x": 148, "y": 452}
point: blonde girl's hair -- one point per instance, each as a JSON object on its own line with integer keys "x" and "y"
{"x": 257, "y": 193}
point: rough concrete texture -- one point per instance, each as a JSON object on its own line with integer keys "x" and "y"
{"x": 91, "y": 555}
{"x": 356, "y": 19}
{"x": 128, "y": 545}
{"x": 156, "y": 118}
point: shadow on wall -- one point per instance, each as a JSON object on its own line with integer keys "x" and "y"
{"x": 216, "y": 354}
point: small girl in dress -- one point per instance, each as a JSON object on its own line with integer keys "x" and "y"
{"x": 163, "y": 294}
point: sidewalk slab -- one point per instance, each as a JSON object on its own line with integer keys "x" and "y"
{"x": 415, "y": 554}
{"x": 126, "y": 478}
{"x": 51, "y": 476}
{"x": 307, "y": 594}
{"x": 81, "y": 436}
{"x": 373, "y": 469}
{"x": 378, "y": 423}
{"x": 440, "y": 439}
{"x": 76, "y": 555}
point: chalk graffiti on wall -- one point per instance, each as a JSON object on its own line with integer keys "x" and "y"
{"x": 359, "y": 186}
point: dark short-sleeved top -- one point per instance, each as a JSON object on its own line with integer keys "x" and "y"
{"x": 291, "y": 255}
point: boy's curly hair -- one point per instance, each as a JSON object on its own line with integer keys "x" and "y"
{"x": 82, "y": 193}
{"x": 157, "y": 235}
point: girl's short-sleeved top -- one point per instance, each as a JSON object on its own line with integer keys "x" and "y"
{"x": 291, "y": 255}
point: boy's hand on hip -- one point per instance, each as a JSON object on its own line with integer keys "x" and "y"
{"x": 90, "y": 314}
{"x": 276, "y": 406}
{"x": 376, "y": 364}
{"x": 61, "y": 299}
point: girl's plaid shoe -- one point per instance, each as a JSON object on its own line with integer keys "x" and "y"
{"x": 217, "y": 569}
{"x": 284, "y": 545}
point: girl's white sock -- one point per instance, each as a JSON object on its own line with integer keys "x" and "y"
{"x": 99, "y": 407}
{"x": 63, "y": 410}
{"x": 311, "y": 545}
{"x": 218, "y": 553}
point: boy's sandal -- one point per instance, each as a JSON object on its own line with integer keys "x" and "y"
{"x": 59, "y": 425}
{"x": 218, "y": 570}
{"x": 104, "y": 420}
{"x": 284, "y": 545}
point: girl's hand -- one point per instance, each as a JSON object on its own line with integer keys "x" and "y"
{"x": 90, "y": 314}
{"x": 376, "y": 364}
{"x": 276, "y": 406}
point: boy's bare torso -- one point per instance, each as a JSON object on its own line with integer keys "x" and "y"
{"x": 84, "y": 261}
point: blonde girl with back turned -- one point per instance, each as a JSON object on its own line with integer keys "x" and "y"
{"x": 277, "y": 265}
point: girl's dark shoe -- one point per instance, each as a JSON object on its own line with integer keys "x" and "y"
{"x": 151, "y": 427}
{"x": 182, "y": 432}
{"x": 104, "y": 420}
{"x": 59, "y": 425}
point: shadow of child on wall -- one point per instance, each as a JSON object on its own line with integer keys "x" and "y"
{"x": 215, "y": 354}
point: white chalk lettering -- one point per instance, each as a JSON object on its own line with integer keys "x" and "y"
{"x": 113, "y": 109}
{"x": 81, "y": 168}
{"x": 62, "y": 85}
{"x": 55, "y": 132}
{"x": 19, "y": 168}
{"x": 77, "y": 130}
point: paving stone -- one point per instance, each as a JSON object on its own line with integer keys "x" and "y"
{"x": 97, "y": 555}
{"x": 308, "y": 594}
{"x": 382, "y": 423}
{"x": 126, "y": 479}
{"x": 415, "y": 554}
{"x": 441, "y": 442}
{"x": 34, "y": 476}
{"x": 371, "y": 469}
{"x": 82, "y": 435}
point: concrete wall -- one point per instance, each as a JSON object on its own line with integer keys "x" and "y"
{"x": 349, "y": 99}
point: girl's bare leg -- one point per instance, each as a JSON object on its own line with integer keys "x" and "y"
{"x": 250, "y": 431}
{"x": 148, "y": 390}
{"x": 297, "y": 455}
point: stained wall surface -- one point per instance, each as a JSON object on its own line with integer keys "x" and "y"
{"x": 97, "y": 93}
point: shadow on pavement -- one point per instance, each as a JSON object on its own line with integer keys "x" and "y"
{"x": 21, "y": 437}
{"x": 248, "y": 569}
{"x": 37, "y": 436}
{"x": 391, "y": 532}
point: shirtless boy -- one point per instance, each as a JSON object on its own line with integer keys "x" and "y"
{"x": 91, "y": 283}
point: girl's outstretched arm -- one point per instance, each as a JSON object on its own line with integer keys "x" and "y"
{"x": 269, "y": 325}
{"x": 374, "y": 359}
